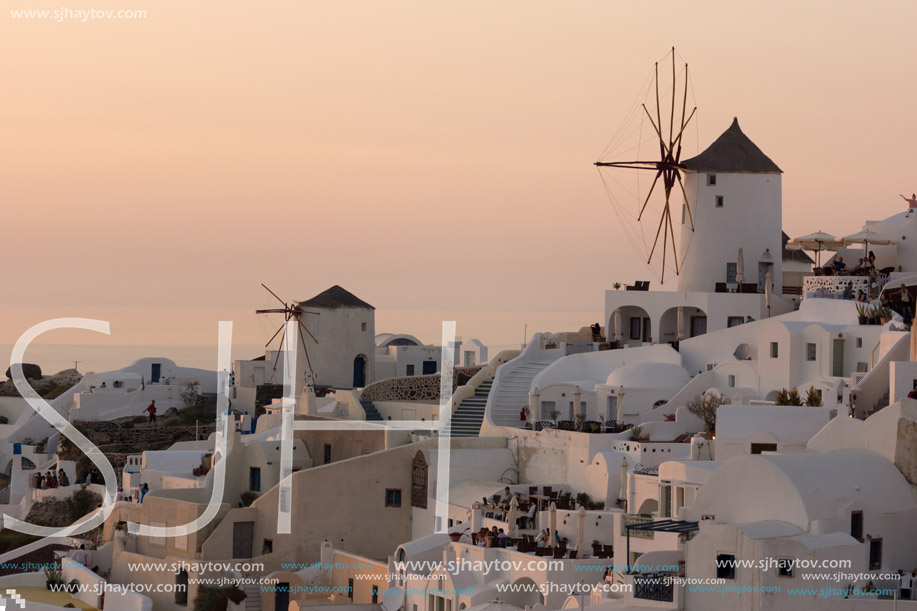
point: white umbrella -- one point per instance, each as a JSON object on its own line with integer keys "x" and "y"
{"x": 619, "y": 335}
{"x": 866, "y": 237}
{"x": 818, "y": 242}
{"x": 681, "y": 323}
{"x": 580, "y": 530}
{"x": 535, "y": 408}
{"x": 511, "y": 518}
{"x": 622, "y": 493}
{"x": 577, "y": 394}
{"x": 740, "y": 267}
{"x": 768, "y": 292}
{"x": 552, "y": 525}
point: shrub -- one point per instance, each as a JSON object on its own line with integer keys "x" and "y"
{"x": 785, "y": 397}
{"x": 82, "y": 502}
{"x": 812, "y": 398}
{"x": 704, "y": 407}
{"x": 217, "y": 599}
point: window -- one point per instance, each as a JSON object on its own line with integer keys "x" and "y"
{"x": 254, "y": 479}
{"x": 711, "y": 180}
{"x": 375, "y": 594}
{"x": 758, "y": 448}
{"x": 785, "y": 567}
{"x": 410, "y": 370}
{"x": 859, "y": 342}
{"x": 350, "y": 588}
{"x": 856, "y": 525}
{"x": 362, "y": 326}
{"x": 327, "y": 453}
{"x": 730, "y": 273}
{"x": 734, "y": 321}
{"x": 719, "y": 201}
{"x": 875, "y": 554}
{"x": 393, "y": 497}
{"x": 775, "y": 351}
{"x": 725, "y": 566}
{"x": 732, "y": 381}
{"x": 267, "y": 547}
{"x": 419, "y": 491}
{"x": 810, "y": 352}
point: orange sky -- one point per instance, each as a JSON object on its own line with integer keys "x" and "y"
{"x": 434, "y": 158}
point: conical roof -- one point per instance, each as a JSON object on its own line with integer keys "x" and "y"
{"x": 336, "y": 297}
{"x": 733, "y": 152}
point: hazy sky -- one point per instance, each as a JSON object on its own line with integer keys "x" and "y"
{"x": 435, "y": 158}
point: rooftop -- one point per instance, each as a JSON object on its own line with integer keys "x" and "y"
{"x": 733, "y": 151}
{"x": 336, "y": 297}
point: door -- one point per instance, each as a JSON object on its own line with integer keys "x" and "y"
{"x": 359, "y": 372}
{"x": 254, "y": 479}
{"x": 429, "y": 367}
{"x": 156, "y": 372}
{"x": 611, "y": 413}
{"x": 837, "y": 368}
{"x": 647, "y": 330}
{"x": 763, "y": 268}
{"x": 282, "y": 596}
{"x": 242, "y": 533}
{"x": 698, "y": 325}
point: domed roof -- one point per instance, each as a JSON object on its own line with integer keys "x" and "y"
{"x": 649, "y": 375}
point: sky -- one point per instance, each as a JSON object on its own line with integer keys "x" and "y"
{"x": 434, "y": 158}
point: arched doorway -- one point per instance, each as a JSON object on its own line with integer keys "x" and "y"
{"x": 632, "y": 328}
{"x": 693, "y": 323}
{"x": 359, "y": 372}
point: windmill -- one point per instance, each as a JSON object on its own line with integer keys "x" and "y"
{"x": 666, "y": 164}
{"x": 293, "y": 312}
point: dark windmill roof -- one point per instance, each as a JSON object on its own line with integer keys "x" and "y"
{"x": 794, "y": 255}
{"x": 732, "y": 152}
{"x": 336, "y": 297}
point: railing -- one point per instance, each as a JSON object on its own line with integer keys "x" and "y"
{"x": 654, "y": 586}
{"x": 833, "y": 286}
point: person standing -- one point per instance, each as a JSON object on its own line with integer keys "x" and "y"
{"x": 912, "y": 201}
{"x": 143, "y": 490}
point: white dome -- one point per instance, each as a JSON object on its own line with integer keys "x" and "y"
{"x": 649, "y": 375}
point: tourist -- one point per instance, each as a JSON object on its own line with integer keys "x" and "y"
{"x": 873, "y": 283}
{"x": 907, "y": 305}
{"x": 81, "y": 555}
{"x": 839, "y": 265}
{"x": 912, "y": 202}
{"x": 151, "y": 410}
{"x": 861, "y": 297}
{"x": 48, "y": 480}
{"x": 542, "y": 537}
{"x": 62, "y": 477}
{"x": 912, "y": 394}
{"x": 507, "y": 498}
{"x": 143, "y": 490}
{"x": 749, "y": 319}
{"x": 142, "y": 383}
{"x": 103, "y": 385}
{"x": 848, "y": 291}
{"x": 502, "y": 539}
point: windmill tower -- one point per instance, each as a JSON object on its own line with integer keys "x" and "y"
{"x": 734, "y": 193}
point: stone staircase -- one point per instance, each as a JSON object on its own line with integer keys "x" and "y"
{"x": 252, "y": 600}
{"x": 466, "y": 421}
{"x": 512, "y": 394}
{"x": 371, "y": 412}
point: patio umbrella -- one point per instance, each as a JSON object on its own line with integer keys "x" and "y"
{"x": 768, "y": 292}
{"x": 534, "y": 407}
{"x": 622, "y": 493}
{"x": 818, "y": 242}
{"x": 580, "y": 530}
{"x": 681, "y": 323}
{"x": 866, "y": 237}
{"x": 577, "y": 394}
{"x": 552, "y": 525}
{"x": 740, "y": 267}
{"x": 511, "y": 529}
{"x": 619, "y": 335}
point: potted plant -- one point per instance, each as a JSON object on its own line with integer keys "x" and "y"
{"x": 636, "y": 433}
{"x": 862, "y": 313}
{"x": 579, "y": 419}
{"x": 616, "y": 286}
{"x": 554, "y": 414}
{"x": 248, "y": 497}
{"x": 54, "y": 577}
{"x": 871, "y": 315}
{"x": 884, "y": 314}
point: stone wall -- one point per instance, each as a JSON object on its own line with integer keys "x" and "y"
{"x": 415, "y": 388}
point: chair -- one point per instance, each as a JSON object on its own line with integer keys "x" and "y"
{"x": 533, "y": 489}
{"x": 645, "y": 286}
{"x": 572, "y": 554}
{"x": 566, "y": 425}
{"x": 559, "y": 553}
{"x": 721, "y": 287}
{"x": 540, "y": 425}
{"x": 548, "y": 490}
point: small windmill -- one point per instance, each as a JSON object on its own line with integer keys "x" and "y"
{"x": 666, "y": 166}
{"x": 293, "y": 312}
